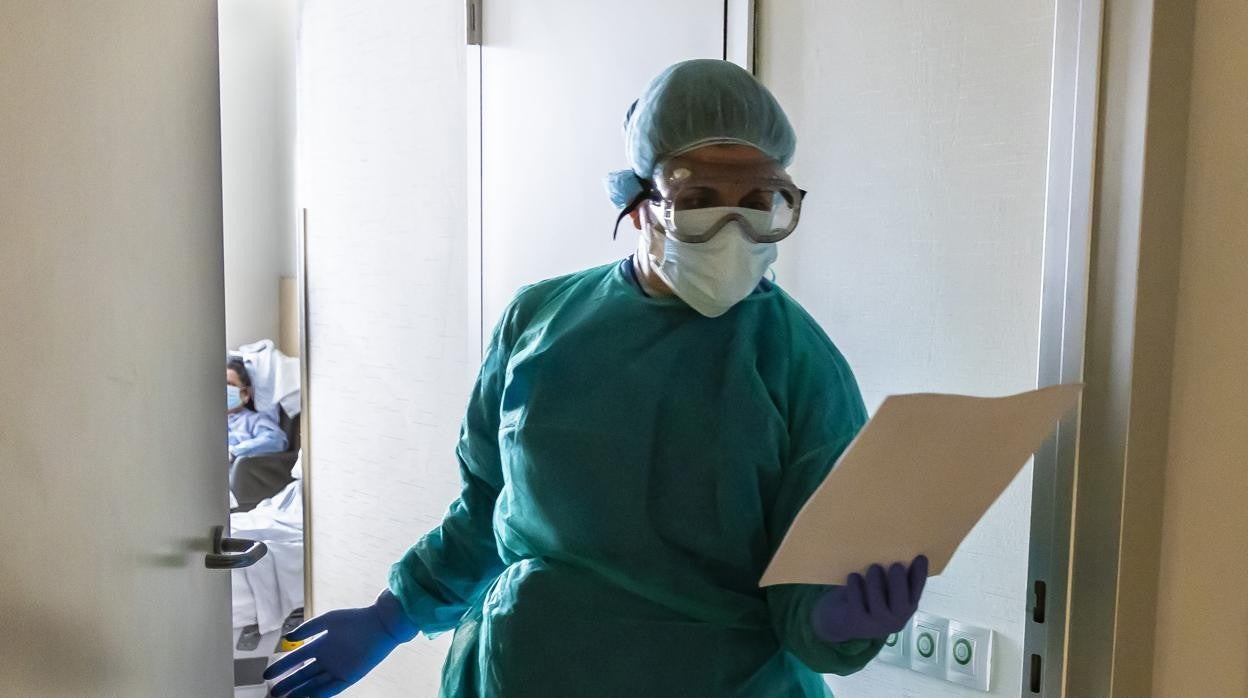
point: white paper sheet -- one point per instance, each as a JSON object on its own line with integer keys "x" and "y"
{"x": 917, "y": 479}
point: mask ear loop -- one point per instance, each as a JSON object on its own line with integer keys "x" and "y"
{"x": 641, "y": 197}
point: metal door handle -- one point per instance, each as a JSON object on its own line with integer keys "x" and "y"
{"x": 233, "y": 553}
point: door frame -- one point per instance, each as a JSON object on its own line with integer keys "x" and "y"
{"x": 1127, "y": 349}
{"x": 305, "y": 390}
{"x": 1073, "y": 110}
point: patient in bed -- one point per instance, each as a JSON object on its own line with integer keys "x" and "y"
{"x": 250, "y": 432}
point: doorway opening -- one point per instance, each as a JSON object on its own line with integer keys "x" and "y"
{"x": 263, "y": 357}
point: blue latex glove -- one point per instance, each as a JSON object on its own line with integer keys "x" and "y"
{"x": 355, "y": 641}
{"x": 870, "y": 607}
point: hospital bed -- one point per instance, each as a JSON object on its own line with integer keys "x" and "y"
{"x": 266, "y": 504}
{"x": 267, "y": 597}
{"x": 255, "y": 478}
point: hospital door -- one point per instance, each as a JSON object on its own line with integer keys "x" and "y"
{"x": 112, "y": 328}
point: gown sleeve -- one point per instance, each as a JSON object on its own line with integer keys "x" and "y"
{"x": 267, "y": 438}
{"x": 439, "y": 577}
{"x": 825, "y": 411}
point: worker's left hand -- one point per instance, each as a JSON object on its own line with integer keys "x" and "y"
{"x": 871, "y": 607}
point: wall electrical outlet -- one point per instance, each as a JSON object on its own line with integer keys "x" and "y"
{"x": 968, "y": 660}
{"x": 896, "y": 648}
{"x": 928, "y": 636}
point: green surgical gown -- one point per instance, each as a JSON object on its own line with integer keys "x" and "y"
{"x": 629, "y": 466}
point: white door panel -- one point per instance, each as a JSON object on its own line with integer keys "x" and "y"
{"x": 382, "y": 175}
{"x": 557, "y": 78}
{"x": 112, "y": 430}
{"x": 922, "y": 138}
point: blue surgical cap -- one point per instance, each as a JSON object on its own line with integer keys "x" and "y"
{"x": 692, "y": 104}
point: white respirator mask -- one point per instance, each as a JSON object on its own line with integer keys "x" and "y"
{"x": 712, "y": 276}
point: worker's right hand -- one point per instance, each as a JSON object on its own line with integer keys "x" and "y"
{"x": 871, "y": 607}
{"x": 355, "y": 640}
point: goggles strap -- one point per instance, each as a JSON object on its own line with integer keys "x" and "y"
{"x": 632, "y": 206}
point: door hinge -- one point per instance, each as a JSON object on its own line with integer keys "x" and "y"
{"x": 473, "y": 8}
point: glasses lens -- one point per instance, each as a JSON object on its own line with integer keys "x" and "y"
{"x": 783, "y": 212}
{"x": 697, "y": 197}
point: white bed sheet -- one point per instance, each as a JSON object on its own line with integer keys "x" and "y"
{"x": 266, "y": 592}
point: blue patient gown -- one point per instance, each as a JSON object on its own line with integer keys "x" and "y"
{"x": 629, "y": 466}
{"x": 251, "y": 433}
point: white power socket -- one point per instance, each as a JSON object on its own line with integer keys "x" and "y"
{"x": 896, "y": 649}
{"x": 945, "y": 649}
{"x": 969, "y": 659}
{"x": 928, "y": 637}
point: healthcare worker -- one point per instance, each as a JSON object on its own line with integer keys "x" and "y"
{"x": 639, "y": 440}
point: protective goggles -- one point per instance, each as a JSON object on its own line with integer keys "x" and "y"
{"x": 762, "y": 199}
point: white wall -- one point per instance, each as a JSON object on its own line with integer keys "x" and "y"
{"x": 922, "y": 133}
{"x": 382, "y": 93}
{"x": 1201, "y": 643}
{"x": 555, "y": 93}
{"x": 257, "y": 47}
